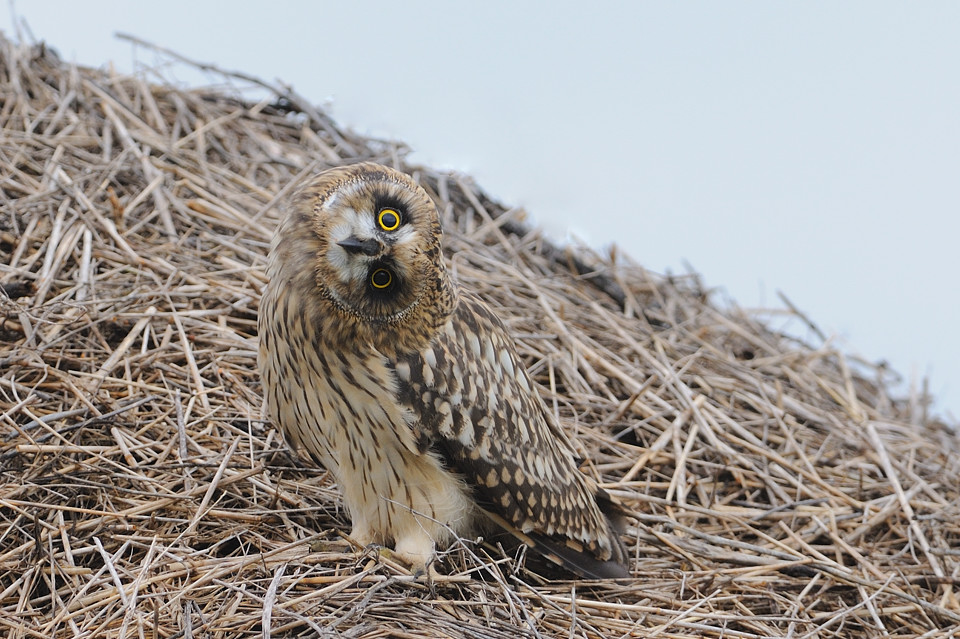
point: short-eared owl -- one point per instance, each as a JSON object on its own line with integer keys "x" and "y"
{"x": 410, "y": 390}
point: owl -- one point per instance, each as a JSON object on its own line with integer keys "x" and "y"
{"x": 409, "y": 389}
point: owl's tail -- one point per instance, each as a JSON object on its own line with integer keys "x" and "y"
{"x": 570, "y": 554}
{"x": 573, "y": 557}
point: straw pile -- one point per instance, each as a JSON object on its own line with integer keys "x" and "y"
{"x": 777, "y": 488}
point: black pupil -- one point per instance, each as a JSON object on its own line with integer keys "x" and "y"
{"x": 381, "y": 278}
{"x": 390, "y": 220}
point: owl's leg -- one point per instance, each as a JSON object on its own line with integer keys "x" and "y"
{"x": 362, "y": 532}
{"x": 416, "y": 549}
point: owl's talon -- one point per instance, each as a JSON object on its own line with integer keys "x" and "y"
{"x": 426, "y": 574}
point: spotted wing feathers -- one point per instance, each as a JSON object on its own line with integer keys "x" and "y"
{"x": 474, "y": 404}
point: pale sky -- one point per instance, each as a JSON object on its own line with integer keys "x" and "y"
{"x": 807, "y": 147}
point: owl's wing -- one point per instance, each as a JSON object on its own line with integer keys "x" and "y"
{"x": 475, "y": 405}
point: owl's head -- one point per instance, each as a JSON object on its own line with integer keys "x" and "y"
{"x": 369, "y": 237}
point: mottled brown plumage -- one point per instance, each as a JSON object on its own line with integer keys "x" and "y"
{"x": 409, "y": 391}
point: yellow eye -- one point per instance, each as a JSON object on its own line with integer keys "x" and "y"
{"x": 388, "y": 219}
{"x": 381, "y": 278}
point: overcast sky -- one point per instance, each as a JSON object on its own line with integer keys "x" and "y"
{"x": 811, "y": 148}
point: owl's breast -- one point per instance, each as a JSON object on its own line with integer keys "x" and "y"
{"x": 336, "y": 403}
{"x": 340, "y": 405}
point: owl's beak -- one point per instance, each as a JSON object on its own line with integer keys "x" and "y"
{"x": 355, "y": 245}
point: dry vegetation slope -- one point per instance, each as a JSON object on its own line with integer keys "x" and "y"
{"x": 778, "y": 490}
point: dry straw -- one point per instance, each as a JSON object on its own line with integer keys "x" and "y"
{"x": 777, "y": 488}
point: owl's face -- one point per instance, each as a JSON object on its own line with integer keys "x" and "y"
{"x": 379, "y": 238}
{"x": 358, "y": 257}
{"x": 373, "y": 237}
